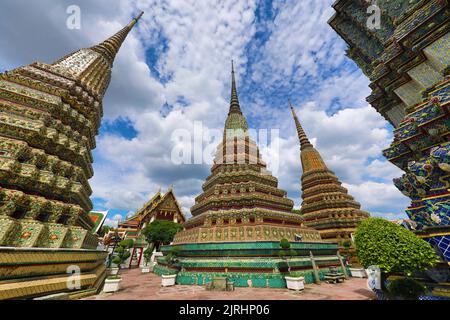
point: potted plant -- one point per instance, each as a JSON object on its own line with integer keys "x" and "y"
{"x": 114, "y": 238}
{"x": 292, "y": 282}
{"x": 356, "y": 270}
{"x": 172, "y": 259}
{"x": 393, "y": 249}
{"x": 113, "y": 271}
{"x": 146, "y": 268}
{"x": 112, "y": 283}
{"x": 168, "y": 280}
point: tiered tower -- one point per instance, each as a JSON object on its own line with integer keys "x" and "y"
{"x": 241, "y": 192}
{"x": 239, "y": 220}
{"x": 326, "y": 206}
{"x": 50, "y": 115}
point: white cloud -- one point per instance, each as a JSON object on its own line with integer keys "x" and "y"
{"x": 114, "y": 221}
{"x": 194, "y": 42}
{"x": 375, "y": 195}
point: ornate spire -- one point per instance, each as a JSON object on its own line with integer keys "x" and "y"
{"x": 304, "y": 141}
{"x": 326, "y": 205}
{"x": 234, "y": 103}
{"x": 310, "y": 157}
{"x": 111, "y": 46}
{"x": 92, "y": 66}
{"x": 235, "y": 120}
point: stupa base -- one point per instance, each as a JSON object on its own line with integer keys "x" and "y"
{"x": 247, "y": 264}
{"x": 28, "y": 273}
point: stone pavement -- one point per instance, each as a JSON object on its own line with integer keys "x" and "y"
{"x": 138, "y": 286}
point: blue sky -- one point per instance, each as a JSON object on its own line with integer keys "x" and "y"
{"x": 174, "y": 70}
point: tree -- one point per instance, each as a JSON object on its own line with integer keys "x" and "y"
{"x": 123, "y": 252}
{"x": 148, "y": 255}
{"x": 172, "y": 256}
{"x": 104, "y": 230}
{"x": 285, "y": 253}
{"x": 161, "y": 232}
{"x": 392, "y": 248}
{"x": 347, "y": 251}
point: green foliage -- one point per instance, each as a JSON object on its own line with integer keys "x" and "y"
{"x": 406, "y": 288}
{"x": 347, "y": 250}
{"x": 286, "y": 249}
{"x": 127, "y": 243}
{"x": 123, "y": 252}
{"x": 347, "y": 244}
{"x": 160, "y": 231}
{"x": 104, "y": 230}
{"x": 392, "y": 248}
{"x": 285, "y": 244}
{"x": 148, "y": 254}
{"x": 172, "y": 256}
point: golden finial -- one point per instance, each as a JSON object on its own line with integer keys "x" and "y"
{"x": 110, "y": 47}
{"x": 304, "y": 141}
{"x": 234, "y": 103}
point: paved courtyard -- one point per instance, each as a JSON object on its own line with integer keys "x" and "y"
{"x": 138, "y": 286}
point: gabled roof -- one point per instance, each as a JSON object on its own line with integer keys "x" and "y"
{"x": 150, "y": 206}
{"x": 150, "y": 203}
{"x": 97, "y": 218}
{"x": 160, "y": 201}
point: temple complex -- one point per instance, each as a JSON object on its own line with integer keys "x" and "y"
{"x": 159, "y": 207}
{"x": 326, "y": 206}
{"x": 50, "y": 115}
{"x": 240, "y": 218}
{"x": 407, "y": 61}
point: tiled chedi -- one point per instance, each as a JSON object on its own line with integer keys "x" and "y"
{"x": 326, "y": 205}
{"x": 240, "y": 218}
{"x": 49, "y": 117}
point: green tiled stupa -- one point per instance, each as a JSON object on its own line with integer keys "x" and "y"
{"x": 239, "y": 220}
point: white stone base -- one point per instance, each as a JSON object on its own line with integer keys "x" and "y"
{"x": 112, "y": 285}
{"x": 295, "y": 283}
{"x": 146, "y": 269}
{"x": 358, "y": 272}
{"x": 155, "y": 255}
{"x": 168, "y": 281}
{"x": 113, "y": 271}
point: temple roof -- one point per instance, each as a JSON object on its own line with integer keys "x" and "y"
{"x": 150, "y": 207}
{"x": 97, "y": 218}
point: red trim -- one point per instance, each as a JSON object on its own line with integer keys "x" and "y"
{"x": 140, "y": 256}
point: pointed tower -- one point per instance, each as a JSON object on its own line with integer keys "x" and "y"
{"x": 240, "y": 218}
{"x": 50, "y": 115}
{"x": 326, "y": 206}
{"x": 240, "y": 190}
